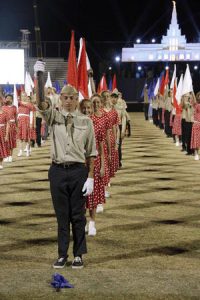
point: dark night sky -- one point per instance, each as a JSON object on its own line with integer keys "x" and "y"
{"x": 104, "y": 20}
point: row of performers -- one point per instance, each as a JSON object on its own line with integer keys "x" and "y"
{"x": 111, "y": 124}
{"x": 180, "y": 121}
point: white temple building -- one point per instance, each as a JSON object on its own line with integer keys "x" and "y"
{"x": 173, "y": 47}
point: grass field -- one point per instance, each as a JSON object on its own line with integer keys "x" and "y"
{"x": 148, "y": 238}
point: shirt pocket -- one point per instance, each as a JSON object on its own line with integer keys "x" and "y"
{"x": 79, "y": 133}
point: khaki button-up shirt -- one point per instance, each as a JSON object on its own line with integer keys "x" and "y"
{"x": 168, "y": 104}
{"x": 74, "y": 146}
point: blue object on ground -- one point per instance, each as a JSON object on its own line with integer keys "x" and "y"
{"x": 59, "y": 282}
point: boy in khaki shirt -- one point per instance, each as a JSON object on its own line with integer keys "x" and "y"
{"x": 71, "y": 179}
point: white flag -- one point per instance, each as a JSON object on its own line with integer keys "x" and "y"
{"x": 15, "y": 98}
{"x": 173, "y": 78}
{"x": 48, "y": 82}
{"x": 187, "y": 82}
{"x": 179, "y": 90}
{"x": 28, "y": 87}
{"x": 156, "y": 90}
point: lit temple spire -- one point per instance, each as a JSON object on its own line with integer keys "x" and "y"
{"x": 174, "y": 15}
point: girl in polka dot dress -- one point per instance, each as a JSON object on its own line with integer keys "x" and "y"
{"x": 100, "y": 117}
{"x": 112, "y": 114}
{"x": 98, "y": 194}
{"x": 11, "y": 110}
{"x": 195, "y": 140}
{"x": 4, "y": 132}
{"x": 25, "y": 107}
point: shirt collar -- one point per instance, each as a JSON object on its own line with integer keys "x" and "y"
{"x": 66, "y": 113}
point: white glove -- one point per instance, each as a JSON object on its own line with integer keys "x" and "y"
{"x": 39, "y": 66}
{"x": 88, "y": 187}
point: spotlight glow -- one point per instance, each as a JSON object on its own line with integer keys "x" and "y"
{"x": 139, "y": 68}
{"x": 117, "y": 58}
{"x": 138, "y": 41}
{"x": 153, "y": 40}
{"x": 195, "y": 67}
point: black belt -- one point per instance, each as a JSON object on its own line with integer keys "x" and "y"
{"x": 67, "y": 164}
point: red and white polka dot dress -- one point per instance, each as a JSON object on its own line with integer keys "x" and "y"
{"x": 105, "y": 125}
{"x": 195, "y": 139}
{"x": 177, "y": 129}
{"x": 11, "y": 111}
{"x": 114, "y": 120}
{"x": 98, "y": 195}
{"x": 24, "y": 121}
{"x": 4, "y": 150}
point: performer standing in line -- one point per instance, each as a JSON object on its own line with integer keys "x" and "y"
{"x": 73, "y": 143}
{"x": 146, "y": 103}
{"x": 119, "y": 105}
{"x": 155, "y": 111}
{"x": 87, "y": 107}
{"x": 24, "y": 109}
{"x": 4, "y": 132}
{"x": 195, "y": 139}
{"x": 168, "y": 109}
{"x": 11, "y": 110}
{"x": 188, "y": 100}
{"x": 112, "y": 114}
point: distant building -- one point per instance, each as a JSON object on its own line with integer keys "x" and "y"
{"x": 173, "y": 47}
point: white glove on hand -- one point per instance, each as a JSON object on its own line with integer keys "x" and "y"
{"x": 88, "y": 187}
{"x": 39, "y": 66}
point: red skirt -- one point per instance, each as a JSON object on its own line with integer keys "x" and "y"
{"x": 112, "y": 165}
{"x": 195, "y": 139}
{"x": 171, "y": 122}
{"x": 12, "y": 136}
{"x": 43, "y": 129}
{"x": 98, "y": 195}
{"x": 32, "y": 134}
{"x": 106, "y": 178}
{"x": 4, "y": 150}
{"x": 176, "y": 129}
{"x": 23, "y": 128}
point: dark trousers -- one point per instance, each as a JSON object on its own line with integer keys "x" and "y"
{"x": 188, "y": 135}
{"x": 120, "y": 145}
{"x": 160, "y": 118}
{"x": 168, "y": 129}
{"x": 183, "y": 128}
{"x": 155, "y": 116}
{"x": 69, "y": 204}
{"x": 38, "y": 130}
{"x": 128, "y": 128}
{"x": 146, "y": 111}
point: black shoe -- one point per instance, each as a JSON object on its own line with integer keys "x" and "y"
{"x": 60, "y": 263}
{"x": 77, "y": 263}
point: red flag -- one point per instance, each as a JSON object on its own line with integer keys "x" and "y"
{"x": 82, "y": 73}
{"x": 175, "y": 102}
{"x": 167, "y": 78}
{"x": 103, "y": 85}
{"x": 162, "y": 86}
{"x": 72, "y": 76}
{"x": 114, "y": 85}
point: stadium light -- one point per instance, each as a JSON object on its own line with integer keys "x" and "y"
{"x": 117, "y": 58}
